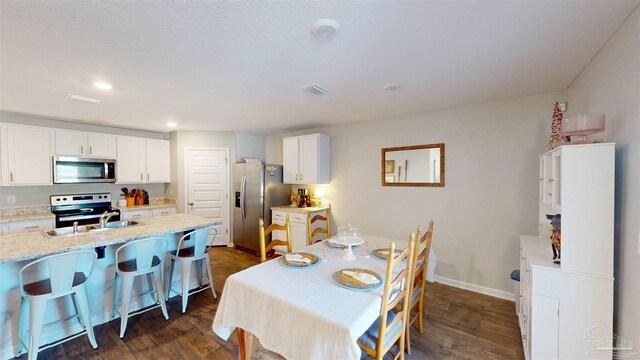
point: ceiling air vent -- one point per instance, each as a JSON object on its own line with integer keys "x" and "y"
{"x": 315, "y": 89}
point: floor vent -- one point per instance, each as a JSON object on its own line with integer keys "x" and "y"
{"x": 315, "y": 89}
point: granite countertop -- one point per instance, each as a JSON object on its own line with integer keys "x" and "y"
{"x": 25, "y": 217}
{"x": 31, "y": 245}
{"x": 297, "y": 209}
{"x": 143, "y": 207}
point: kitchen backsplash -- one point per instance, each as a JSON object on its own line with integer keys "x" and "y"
{"x": 11, "y": 211}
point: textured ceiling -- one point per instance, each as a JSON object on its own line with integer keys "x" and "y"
{"x": 239, "y": 66}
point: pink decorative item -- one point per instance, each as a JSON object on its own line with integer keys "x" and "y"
{"x": 583, "y": 125}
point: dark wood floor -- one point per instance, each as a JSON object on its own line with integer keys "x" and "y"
{"x": 460, "y": 325}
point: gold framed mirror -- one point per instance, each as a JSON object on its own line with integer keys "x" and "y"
{"x": 417, "y": 165}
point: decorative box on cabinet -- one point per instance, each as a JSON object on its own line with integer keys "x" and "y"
{"x": 306, "y": 159}
{"x": 565, "y": 307}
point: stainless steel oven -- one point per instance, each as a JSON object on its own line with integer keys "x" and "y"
{"x": 82, "y": 209}
{"x": 72, "y": 170}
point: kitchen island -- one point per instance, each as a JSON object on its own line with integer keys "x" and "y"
{"x": 19, "y": 249}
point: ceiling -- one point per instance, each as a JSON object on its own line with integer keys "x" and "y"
{"x": 240, "y": 66}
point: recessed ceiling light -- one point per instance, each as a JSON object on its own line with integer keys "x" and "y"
{"x": 84, "y": 99}
{"x": 391, "y": 87}
{"x": 324, "y": 27}
{"x": 171, "y": 124}
{"x": 103, "y": 85}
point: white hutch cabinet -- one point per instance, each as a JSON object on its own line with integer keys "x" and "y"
{"x": 566, "y": 310}
{"x": 306, "y": 159}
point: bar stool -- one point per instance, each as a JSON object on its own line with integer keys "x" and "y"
{"x": 50, "y": 278}
{"x": 192, "y": 248}
{"x": 140, "y": 257}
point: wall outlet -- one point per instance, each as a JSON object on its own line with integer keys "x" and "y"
{"x": 11, "y": 199}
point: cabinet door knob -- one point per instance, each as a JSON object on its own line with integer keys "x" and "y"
{"x": 300, "y": 176}
{"x": 190, "y": 204}
{"x": 524, "y": 337}
{"x": 81, "y": 149}
{"x": 90, "y": 150}
{"x": 147, "y": 176}
{"x": 141, "y": 177}
{"x": 11, "y": 176}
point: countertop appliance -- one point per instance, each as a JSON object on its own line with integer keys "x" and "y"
{"x": 83, "y": 208}
{"x": 72, "y": 170}
{"x": 257, "y": 187}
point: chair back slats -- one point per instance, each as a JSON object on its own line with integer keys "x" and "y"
{"x": 57, "y": 274}
{"x": 395, "y": 290}
{"x": 143, "y": 252}
{"x": 318, "y": 230}
{"x": 264, "y": 248}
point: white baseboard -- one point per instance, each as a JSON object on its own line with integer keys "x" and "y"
{"x": 476, "y": 288}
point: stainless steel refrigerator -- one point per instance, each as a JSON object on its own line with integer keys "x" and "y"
{"x": 256, "y": 187}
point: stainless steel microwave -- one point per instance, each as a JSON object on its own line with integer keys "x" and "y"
{"x": 72, "y": 170}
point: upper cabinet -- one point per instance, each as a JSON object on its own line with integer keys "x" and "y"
{"x": 26, "y": 155}
{"x": 158, "y": 161}
{"x": 143, "y": 160}
{"x": 84, "y": 144}
{"x": 306, "y": 159}
{"x": 131, "y": 161}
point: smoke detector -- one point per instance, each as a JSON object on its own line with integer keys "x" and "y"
{"x": 315, "y": 89}
{"x": 324, "y": 27}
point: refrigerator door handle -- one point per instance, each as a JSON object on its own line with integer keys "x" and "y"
{"x": 243, "y": 188}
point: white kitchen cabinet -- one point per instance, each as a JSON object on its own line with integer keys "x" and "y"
{"x": 131, "y": 160}
{"x": 306, "y": 159}
{"x": 158, "y": 161}
{"x": 26, "y": 155}
{"x": 135, "y": 214}
{"x": 556, "y": 180}
{"x": 566, "y": 309}
{"x": 71, "y": 143}
{"x": 164, "y": 211}
{"x": 102, "y": 146}
{"x": 84, "y": 144}
{"x": 143, "y": 160}
{"x": 18, "y": 227}
{"x": 297, "y": 225}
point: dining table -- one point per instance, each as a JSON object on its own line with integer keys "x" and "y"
{"x": 303, "y": 313}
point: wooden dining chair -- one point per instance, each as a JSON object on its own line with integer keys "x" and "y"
{"x": 264, "y": 248}
{"x": 389, "y": 329}
{"x": 318, "y": 230}
{"x": 420, "y": 262}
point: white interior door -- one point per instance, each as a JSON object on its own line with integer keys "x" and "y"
{"x": 207, "y": 187}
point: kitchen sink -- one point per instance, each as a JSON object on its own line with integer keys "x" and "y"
{"x": 115, "y": 225}
{"x": 83, "y": 229}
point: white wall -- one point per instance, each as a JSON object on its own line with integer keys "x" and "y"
{"x": 249, "y": 146}
{"x": 39, "y": 195}
{"x": 610, "y": 84}
{"x": 491, "y": 182}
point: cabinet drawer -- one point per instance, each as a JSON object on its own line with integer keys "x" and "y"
{"x": 135, "y": 214}
{"x": 34, "y": 225}
{"x": 164, "y": 211}
{"x": 294, "y": 217}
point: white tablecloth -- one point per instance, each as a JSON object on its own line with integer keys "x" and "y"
{"x": 302, "y": 313}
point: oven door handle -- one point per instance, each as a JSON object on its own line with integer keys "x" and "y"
{"x": 78, "y": 217}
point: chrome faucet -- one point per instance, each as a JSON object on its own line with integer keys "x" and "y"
{"x": 75, "y": 227}
{"x": 105, "y": 217}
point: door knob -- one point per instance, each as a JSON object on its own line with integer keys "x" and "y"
{"x": 190, "y": 204}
